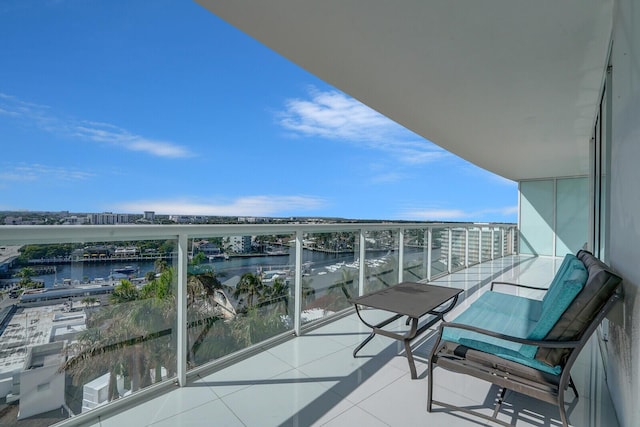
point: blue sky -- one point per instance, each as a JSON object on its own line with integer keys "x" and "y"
{"x": 131, "y": 105}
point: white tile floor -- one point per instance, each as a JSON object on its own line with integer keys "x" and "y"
{"x": 313, "y": 380}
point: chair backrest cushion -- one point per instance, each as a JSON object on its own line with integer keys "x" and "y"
{"x": 554, "y": 288}
{"x": 559, "y": 296}
{"x": 600, "y": 286}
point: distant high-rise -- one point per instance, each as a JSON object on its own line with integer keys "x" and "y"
{"x": 108, "y": 218}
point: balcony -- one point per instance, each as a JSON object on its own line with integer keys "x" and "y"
{"x": 301, "y": 372}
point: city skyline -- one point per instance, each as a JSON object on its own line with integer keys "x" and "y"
{"x": 125, "y": 108}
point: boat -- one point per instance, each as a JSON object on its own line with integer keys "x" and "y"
{"x": 125, "y": 270}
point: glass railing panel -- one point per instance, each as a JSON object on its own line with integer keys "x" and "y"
{"x": 118, "y": 335}
{"x": 330, "y": 273}
{"x": 486, "y": 244}
{"x": 458, "y": 248}
{"x": 88, "y": 323}
{"x": 509, "y": 239}
{"x": 474, "y": 246}
{"x": 239, "y": 292}
{"x": 381, "y": 259}
{"x": 439, "y": 251}
{"x": 415, "y": 254}
{"x": 497, "y": 243}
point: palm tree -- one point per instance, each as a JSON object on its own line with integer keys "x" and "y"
{"x": 150, "y": 275}
{"x": 160, "y": 265}
{"x": 250, "y": 285}
{"x": 343, "y": 285}
{"x": 124, "y": 292}
{"x": 128, "y": 337}
{"x": 278, "y": 293}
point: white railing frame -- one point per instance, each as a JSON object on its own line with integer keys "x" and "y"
{"x": 23, "y": 235}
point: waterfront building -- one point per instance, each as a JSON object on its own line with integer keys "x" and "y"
{"x": 240, "y": 244}
{"x": 108, "y": 218}
{"x": 150, "y": 216}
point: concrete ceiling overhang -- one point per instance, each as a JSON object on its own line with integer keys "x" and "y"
{"x": 512, "y": 86}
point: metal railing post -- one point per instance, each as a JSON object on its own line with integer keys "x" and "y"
{"x": 181, "y": 357}
{"x": 297, "y": 311}
{"x": 425, "y": 252}
{"x": 450, "y": 255}
{"x": 429, "y": 244}
{"x": 401, "y": 255}
{"x": 363, "y": 254}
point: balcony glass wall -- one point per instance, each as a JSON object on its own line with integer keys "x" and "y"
{"x": 416, "y": 254}
{"x": 381, "y": 259}
{"x": 122, "y": 310}
{"x": 330, "y": 273}
{"x": 100, "y": 315}
{"x": 438, "y": 251}
{"x": 239, "y": 293}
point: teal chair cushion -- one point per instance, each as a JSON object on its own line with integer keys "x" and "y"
{"x": 520, "y": 317}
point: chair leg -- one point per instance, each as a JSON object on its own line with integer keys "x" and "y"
{"x": 573, "y": 386}
{"x": 563, "y": 412}
{"x": 496, "y": 409}
{"x": 429, "y": 384}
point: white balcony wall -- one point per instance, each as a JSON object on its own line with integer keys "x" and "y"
{"x": 624, "y": 232}
{"x": 554, "y": 215}
{"x": 572, "y": 214}
{"x": 536, "y": 217}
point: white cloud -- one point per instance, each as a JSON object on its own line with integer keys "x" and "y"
{"x": 39, "y": 172}
{"x": 242, "y": 206}
{"x": 333, "y": 115}
{"x": 436, "y": 214}
{"x": 105, "y": 133}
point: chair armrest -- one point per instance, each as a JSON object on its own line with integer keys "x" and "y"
{"x": 518, "y": 285}
{"x": 538, "y": 343}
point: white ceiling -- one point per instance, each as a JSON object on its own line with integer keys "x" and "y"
{"x": 510, "y": 85}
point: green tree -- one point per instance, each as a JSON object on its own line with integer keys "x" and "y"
{"x": 160, "y": 265}
{"x": 26, "y": 281}
{"x": 150, "y": 276}
{"x": 249, "y": 286}
{"x": 198, "y": 258}
{"x": 124, "y": 292}
{"x": 277, "y": 296}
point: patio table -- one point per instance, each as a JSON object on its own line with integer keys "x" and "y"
{"x": 414, "y": 300}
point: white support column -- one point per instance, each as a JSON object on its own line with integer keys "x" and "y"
{"x": 297, "y": 310}
{"x": 401, "y": 255}
{"x": 502, "y": 242}
{"x": 425, "y": 253}
{"x": 181, "y": 320}
{"x": 480, "y": 245}
{"x": 449, "y": 255}
{"x": 363, "y": 254}
{"x": 429, "y": 244}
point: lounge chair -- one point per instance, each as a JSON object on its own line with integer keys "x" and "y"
{"x": 525, "y": 345}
